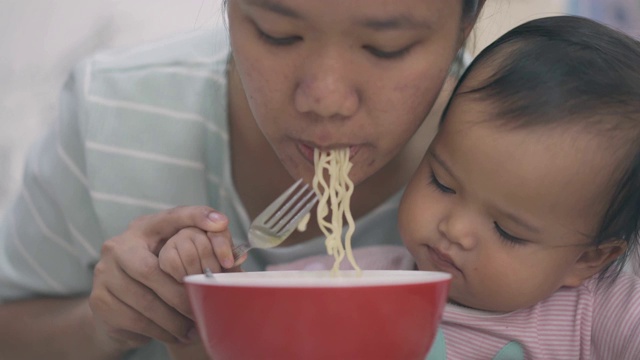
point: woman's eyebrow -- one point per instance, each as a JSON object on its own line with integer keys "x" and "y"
{"x": 396, "y": 22}
{"x": 275, "y": 7}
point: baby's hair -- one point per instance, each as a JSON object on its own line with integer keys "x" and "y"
{"x": 568, "y": 71}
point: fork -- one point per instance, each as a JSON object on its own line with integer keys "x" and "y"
{"x": 279, "y": 219}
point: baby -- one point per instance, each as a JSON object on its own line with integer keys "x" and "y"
{"x": 529, "y": 196}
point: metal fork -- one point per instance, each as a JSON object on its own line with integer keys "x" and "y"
{"x": 279, "y": 219}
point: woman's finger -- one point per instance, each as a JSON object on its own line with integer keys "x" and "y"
{"x": 152, "y": 312}
{"x": 144, "y": 268}
{"x": 121, "y": 319}
{"x": 126, "y": 322}
{"x": 157, "y": 228}
{"x": 166, "y": 287}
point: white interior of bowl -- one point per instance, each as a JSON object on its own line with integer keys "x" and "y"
{"x": 319, "y": 278}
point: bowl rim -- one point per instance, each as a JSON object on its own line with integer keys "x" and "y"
{"x": 318, "y": 279}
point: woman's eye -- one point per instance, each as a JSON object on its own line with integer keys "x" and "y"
{"x": 513, "y": 240}
{"x": 278, "y": 41}
{"x": 439, "y": 186}
{"x": 387, "y": 54}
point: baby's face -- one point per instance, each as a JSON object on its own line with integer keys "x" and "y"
{"x": 509, "y": 213}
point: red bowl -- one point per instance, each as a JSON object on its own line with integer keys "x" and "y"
{"x": 313, "y": 315}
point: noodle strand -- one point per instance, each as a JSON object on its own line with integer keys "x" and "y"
{"x": 336, "y": 194}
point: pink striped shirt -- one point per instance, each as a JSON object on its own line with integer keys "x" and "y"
{"x": 588, "y": 322}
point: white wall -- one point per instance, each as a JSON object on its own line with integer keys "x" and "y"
{"x": 499, "y": 16}
{"x": 40, "y": 40}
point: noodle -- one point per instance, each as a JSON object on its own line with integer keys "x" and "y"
{"x": 336, "y": 193}
{"x": 302, "y": 225}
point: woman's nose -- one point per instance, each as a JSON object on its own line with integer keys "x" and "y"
{"x": 458, "y": 228}
{"x": 326, "y": 89}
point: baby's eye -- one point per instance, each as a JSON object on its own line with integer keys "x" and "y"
{"x": 440, "y": 186}
{"x": 278, "y": 41}
{"x": 387, "y": 54}
{"x": 513, "y": 240}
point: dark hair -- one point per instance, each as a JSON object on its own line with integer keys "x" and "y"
{"x": 470, "y": 8}
{"x": 572, "y": 71}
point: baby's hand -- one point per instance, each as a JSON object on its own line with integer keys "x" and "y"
{"x": 192, "y": 250}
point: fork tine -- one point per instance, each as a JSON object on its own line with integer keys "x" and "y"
{"x": 270, "y": 211}
{"x": 291, "y": 225}
{"x": 289, "y": 212}
{"x": 286, "y": 217}
{"x": 284, "y": 209}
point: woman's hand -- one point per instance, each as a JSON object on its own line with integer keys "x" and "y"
{"x": 189, "y": 252}
{"x": 132, "y": 299}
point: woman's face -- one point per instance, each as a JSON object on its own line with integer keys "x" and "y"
{"x": 327, "y": 74}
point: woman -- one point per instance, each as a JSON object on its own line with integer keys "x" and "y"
{"x": 175, "y": 123}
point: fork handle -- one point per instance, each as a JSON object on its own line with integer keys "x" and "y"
{"x": 240, "y": 250}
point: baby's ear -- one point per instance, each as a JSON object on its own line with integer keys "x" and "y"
{"x": 593, "y": 260}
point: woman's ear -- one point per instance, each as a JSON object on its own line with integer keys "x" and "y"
{"x": 593, "y": 260}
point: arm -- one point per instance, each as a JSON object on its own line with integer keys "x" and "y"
{"x": 53, "y": 329}
{"x": 45, "y": 252}
{"x": 132, "y": 300}
{"x": 51, "y": 238}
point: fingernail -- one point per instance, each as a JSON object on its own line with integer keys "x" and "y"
{"x": 228, "y": 263}
{"x": 216, "y": 217}
{"x": 238, "y": 261}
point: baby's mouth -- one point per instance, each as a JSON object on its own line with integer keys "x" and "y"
{"x": 443, "y": 260}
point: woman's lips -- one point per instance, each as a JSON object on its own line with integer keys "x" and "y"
{"x": 443, "y": 261}
{"x": 307, "y": 150}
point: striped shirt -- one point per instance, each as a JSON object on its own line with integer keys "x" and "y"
{"x": 600, "y": 322}
{"x": 589, "y": 322}
{"x": 140, "y": 130}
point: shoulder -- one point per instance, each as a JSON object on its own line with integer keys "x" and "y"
{"x": 178, "y": 78}
{"x": 616, "y": 317}
{"x": 180, "y": 67}
{"x": 625, "y": 289}
{"x": 622, "y": 293}
{"x": 195, "y": 48}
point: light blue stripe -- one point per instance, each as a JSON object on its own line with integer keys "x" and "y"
{"x": 148, "y": 180}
